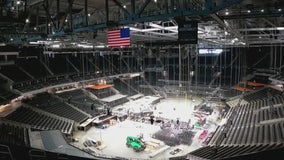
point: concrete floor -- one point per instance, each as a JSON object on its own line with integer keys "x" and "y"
{"x": 114, "y": 137}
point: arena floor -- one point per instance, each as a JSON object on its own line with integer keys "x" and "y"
{"x": 113, "y": 138}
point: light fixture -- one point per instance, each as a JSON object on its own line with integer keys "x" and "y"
{"x": 18, "y": 2}
{"x": 35, "y": 28}
{"x": 27, "y": 20}
{"x": 49, "y": 25}
{"x": 262, "y": 10}
{"x": 227, "y": 13}
{"x": 259, "y": 37}
{"x": 11, "y": 39}
{"x": 210, "y": 51}
{"x": 89, "y": 14}
{"x": 279, "y": 9}
{"x": 155, "y": 1}
{"x": 124, "y": 6}
{"x": 248, "y": 11}
{"x": 280, "y": 28}
{"x": 66, "y": 20}
{"x": 226, "y": 33}
{"x": 55, "y": 46}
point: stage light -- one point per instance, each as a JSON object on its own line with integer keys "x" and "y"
{"x": 279, "y": 9}
{"x": 27, "y": 20}
{"x": 227, "y": 13}
{"x": 89, "y": 14}
{"x": 248, "y": 11}
{"x": 262, "y": 10}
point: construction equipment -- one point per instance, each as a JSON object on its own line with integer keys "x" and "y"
{"x": 136, "y": 143}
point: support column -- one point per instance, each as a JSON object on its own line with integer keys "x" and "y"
{"x": 71, "y": 15}
{"x": 86, "y": 13}
{"x": 47, "y": 8}
{"x": 37, "y": 13}
{"x": 179, "y": 68}
{"x": 133, "y": 6}
{"x": 106, "y": 9}
{"x": 58, "y": 10}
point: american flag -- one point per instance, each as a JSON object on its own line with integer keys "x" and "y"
{"x": 118, "y": 38}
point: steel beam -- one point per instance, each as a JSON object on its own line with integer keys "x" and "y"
{"x": 46, "y": 9}
{"x": 227, "y": 27}
{"x": 65, "y": 16}
{"x": 121, "y": 7}
{"x": 255, "y": 15}
{"x": 137, "y": 18}
{"x": 262, "y": 29}
{"x": 145, "y": 4}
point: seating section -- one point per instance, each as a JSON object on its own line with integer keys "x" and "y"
{"x": 258, "y": 122}
{"x": 58, "y": 107}
{"x": 79, "y": 99}
{"x": 261, "y": 94}
{"x": 33, "y": 67}
{"x": 101, "y": 93}
{"x": 71, "y": 94}
{"x": 14, "y": 73}
{"x": 227, "y": 152}
{"x": 12, "y": 134}
{"x": 40, "y": 121}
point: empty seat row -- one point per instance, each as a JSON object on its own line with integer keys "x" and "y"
{"x": 12, "y": 134}
{"x": 57, "y": 106}
{"x": 39, "y": 120}
{"x": 222, "y": 152}
{"x": 101, "y": 93}
{"x": 64, "y": 110}
{"x": 261, "y": 94}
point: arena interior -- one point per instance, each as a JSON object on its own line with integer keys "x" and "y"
{"x": 141, "y": 79}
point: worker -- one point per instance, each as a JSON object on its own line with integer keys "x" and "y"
{"x": 152, "y": 120}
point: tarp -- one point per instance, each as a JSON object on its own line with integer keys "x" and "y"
{"x": 99, "y": 86}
